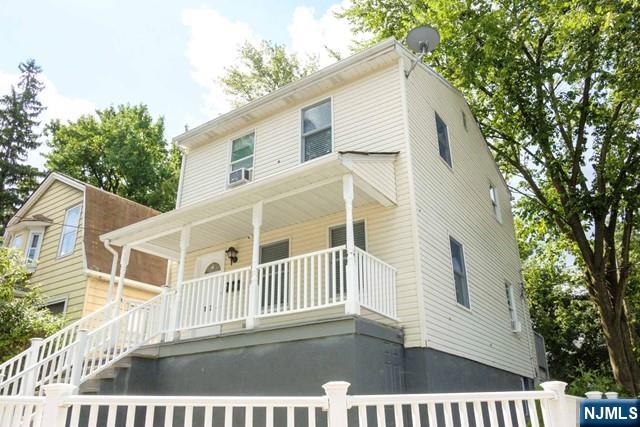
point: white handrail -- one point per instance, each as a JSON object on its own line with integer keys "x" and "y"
{"x": 376, "y": 284}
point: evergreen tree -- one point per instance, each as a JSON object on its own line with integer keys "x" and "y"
{"x": 19, "y": 113}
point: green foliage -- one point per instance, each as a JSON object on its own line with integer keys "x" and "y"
{"x": 121, "y": 150}
{"x": 263, "y": 69}
{"x": 555, "y": 86}
{"x": 21, "y": 314}
{"x": 19, "y": 112}
{"x": 594, "y": 380}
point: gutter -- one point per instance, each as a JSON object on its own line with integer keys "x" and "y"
{"x": 127, "y": 282}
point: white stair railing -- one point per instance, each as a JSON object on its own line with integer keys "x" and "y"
{"x": 13, "y": 371}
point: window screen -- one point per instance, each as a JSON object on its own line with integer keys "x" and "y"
{"x": 443, "y": 140}
{"x": 459, "y": 273}
{"x": 316, "y": 131}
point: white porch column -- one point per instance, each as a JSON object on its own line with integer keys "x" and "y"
{"x": 185, "y": 237}
{"x": 254, "y": 294}
{"x": 353, "y": 300}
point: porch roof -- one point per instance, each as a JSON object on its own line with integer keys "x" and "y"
{"x": 307, "y": 191}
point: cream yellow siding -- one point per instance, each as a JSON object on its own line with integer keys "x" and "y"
{"x": 60, "y": 277}
{"x": 367, "y": 116}
{"x": 96, "y": 294}
{"x": 455, "y": 202}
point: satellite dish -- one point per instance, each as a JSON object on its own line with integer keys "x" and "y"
{"x": 422, "y": 40}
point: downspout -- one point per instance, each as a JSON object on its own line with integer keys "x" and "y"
{"x": 114, "y": 268}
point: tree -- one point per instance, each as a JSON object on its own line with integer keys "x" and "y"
{"x": 121, "y": 150}
{"x": 19, "y": 112}
{"x": 263, "y": 69}
{"x": 555, "y": 87}
{"x": 21, "y": 314}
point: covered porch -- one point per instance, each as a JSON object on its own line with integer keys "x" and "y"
{"x": 303, "y": 278}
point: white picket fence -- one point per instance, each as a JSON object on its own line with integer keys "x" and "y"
{"x": 59, "y": 408}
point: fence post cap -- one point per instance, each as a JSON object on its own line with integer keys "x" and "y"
{"x": 57, "y": 390}
{"x": 557, "y": 387}
{"x": 36, "y": 340}
{"x": 611, "y": 395}
{"x": 593, "y": 394}
{"x": 336, "y": 386}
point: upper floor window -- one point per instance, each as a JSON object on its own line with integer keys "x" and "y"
{"x": 17, "y": 242}
{"x": 242, "y": 152}
{"x": 69, "y": 231}
{"x": 33, "y": 247}
{"x": 316, "y": 131}
{"x": 459, "y": 273}
{"x": 443, "y": 140}
{"x": 511, "y": 303}
{"x": 493, "y": 195}
{"x": 464, "y": 121}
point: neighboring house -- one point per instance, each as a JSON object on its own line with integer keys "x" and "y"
{"x": 352, "y": 225}
{"x": 57, "y": 229}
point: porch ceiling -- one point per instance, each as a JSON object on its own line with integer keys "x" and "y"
{"x": 308, "y": 191}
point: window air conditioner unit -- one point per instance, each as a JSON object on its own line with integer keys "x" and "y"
{"x": 239, "y": 176}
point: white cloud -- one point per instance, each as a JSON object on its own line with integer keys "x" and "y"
{"x": 212, "y": 47}
{"x": 311, "y": 35}
{"x": 57, "y": 106}
{"x": 214, "y": 40}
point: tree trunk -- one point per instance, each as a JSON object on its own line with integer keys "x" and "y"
{"x": 618, "y": 336}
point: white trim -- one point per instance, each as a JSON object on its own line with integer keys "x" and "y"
{"x": 301, "y": 111}
{"x": 183, "y": 165}
{"x": 422, "y": 315}
{"x": 127, "y": 282}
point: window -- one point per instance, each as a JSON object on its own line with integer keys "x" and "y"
{"x": 338, "y": 235}
{"x": 57, "y": 307}
{"x": 242, "y": 152}
{"x": 214, "y": 267}
{"x": 443, "y": 140}
{"x": 493, "y": 195}
{"x": 316, "y": 131}
{"x": 459, "y": 273}
{"x": 511, "y": 303}
{"x": 69, "y": 231}
{"x": 464, "y": 121}
{"x": 33, "y": 248}
{"x": 17, "y": 242}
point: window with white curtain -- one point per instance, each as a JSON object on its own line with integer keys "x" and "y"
{"x": 17, "y": 242}
{"x": 316, "y": 131}
{"x": 69, "y": 231}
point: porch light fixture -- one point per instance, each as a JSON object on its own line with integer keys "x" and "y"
{"x": 232, "y": 254}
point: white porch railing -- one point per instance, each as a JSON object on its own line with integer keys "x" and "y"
{"x": 215, "y": 299}
{"x": 549, "y": 408}
{"x": 377, "y": 284}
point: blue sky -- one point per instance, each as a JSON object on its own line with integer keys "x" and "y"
{"x": 166, "y": 54}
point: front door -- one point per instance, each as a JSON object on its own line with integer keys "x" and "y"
{"x": 211, "y": 263}
{"x": 206, "y": 265}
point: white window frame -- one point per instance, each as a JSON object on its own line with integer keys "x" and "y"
{"x": 253, "y": 155}
{"x": 34, "y": 261}
{"x": 453, "y": 273}
{"x": 62, "y": 232}
{"x": 303, "y": 135}
{"x": 435, "y": 119}
{"x": 512, "y": 307}
{"x": 495, "y": 202}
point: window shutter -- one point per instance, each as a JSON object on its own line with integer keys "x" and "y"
{"x": 274, "y": 251}
{"x": 339, "y": 235}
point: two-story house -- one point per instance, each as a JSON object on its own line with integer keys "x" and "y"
{"x": 350, "y": 225}
{"x": 57, "y": 230}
